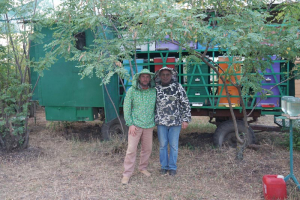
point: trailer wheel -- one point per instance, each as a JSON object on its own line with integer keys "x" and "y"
{"x": 113, "y": 130}
{"x": 225, "y": 135}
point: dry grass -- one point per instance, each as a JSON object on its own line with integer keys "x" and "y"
{"x": 60, "y": 165}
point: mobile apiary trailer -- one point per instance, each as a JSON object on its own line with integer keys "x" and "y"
{"x": 68, "y": 98}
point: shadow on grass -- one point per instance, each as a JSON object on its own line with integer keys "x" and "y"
{"x": 196, "y": 140}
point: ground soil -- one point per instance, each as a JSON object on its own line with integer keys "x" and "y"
{"x": 70, "y": 161}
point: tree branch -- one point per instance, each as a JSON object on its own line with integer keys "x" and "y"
{"x": 14, "y": 50}
{"x": 114, "y": 109}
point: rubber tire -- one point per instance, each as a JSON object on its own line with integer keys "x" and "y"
{"x": 225, "y": 134}
{"x": 113, "y": 129}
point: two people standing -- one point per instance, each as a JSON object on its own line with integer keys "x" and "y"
{"x": 170, "y": 104}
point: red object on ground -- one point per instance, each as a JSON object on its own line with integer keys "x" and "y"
{"x": 274, "y": 187}
{"x": 159, "y": 60}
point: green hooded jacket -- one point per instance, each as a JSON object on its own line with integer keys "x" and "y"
{"x": 139, "y": 104}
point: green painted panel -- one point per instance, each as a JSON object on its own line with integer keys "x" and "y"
{"x": 61, "y": 84}
{"x": 86, "y": 113}
{"x": 57, "y": 113}
{"x": 197, "y": 81}
{"x": 60, "y": 113}
{"x": 36, "y": 52}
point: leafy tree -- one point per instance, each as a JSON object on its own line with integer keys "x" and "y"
{"x": 15, "y": 90}
{"x": 241, "y": 29}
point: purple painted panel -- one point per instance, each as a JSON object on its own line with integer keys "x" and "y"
{"x": 271, "y": 79}
{"x": 275, "y": 66}
{"x": 193, "y": 45}
{"x": 270, "y": 100}
{"x": 170, "y": 45}
{"x": 166, "y": 46}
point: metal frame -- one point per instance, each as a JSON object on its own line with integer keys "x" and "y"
{"x": 212, "y": 109}
{"x": 291, "y": 174}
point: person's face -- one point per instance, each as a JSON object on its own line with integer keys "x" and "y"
{"x": 165, "y": 76}
{"x": 144, "y": 80}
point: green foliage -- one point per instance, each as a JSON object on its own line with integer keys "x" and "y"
{"x": 241, "y": 29}
{"x": 296, "y": 137}
{"x": 14, "y": 105}
{"x": 288, "y": 9}
{"x": 15, "y": 90}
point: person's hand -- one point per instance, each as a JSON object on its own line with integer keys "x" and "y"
{"x": 184, "y": 125}
{"x": 132, "y": 130}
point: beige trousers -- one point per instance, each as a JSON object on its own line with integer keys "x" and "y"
{"x": 145, "y": 135}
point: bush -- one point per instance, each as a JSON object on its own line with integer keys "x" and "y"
{"x": 14, "y": 98}
{"x": 296, "y": 137}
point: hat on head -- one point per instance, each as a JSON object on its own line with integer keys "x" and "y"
{"x": 146, "y": 71}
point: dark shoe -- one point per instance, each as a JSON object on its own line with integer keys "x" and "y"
{"x": 172, "y": 172}
{"x": 163, "y": 171}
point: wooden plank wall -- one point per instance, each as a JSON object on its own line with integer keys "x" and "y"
{"x": 297, "y": 82}
{"x": 297, "y": 88}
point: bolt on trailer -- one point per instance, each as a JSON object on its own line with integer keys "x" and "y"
{"x": 68, "y": 98}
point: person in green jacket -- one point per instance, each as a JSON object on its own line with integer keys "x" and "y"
{"x": 139, "y": 105}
